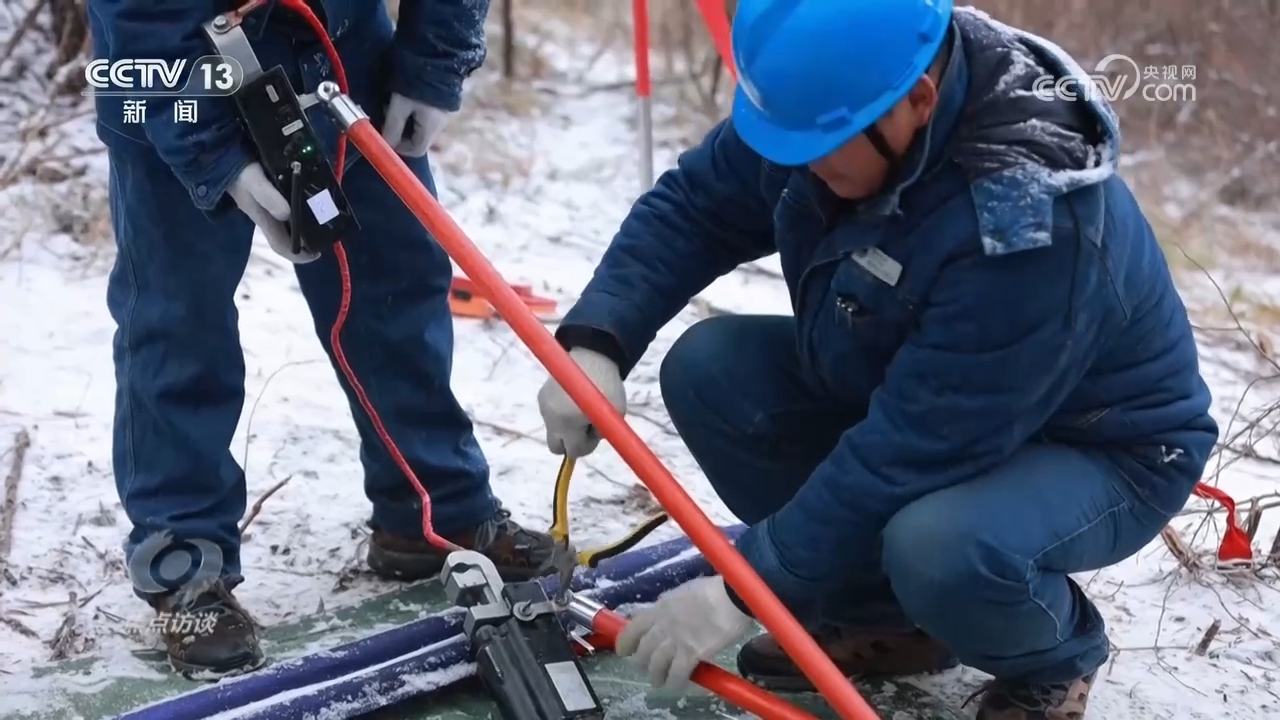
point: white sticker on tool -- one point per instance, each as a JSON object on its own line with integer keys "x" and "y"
{"x": 570, "y": 686}
{"x": 322, "y": 207}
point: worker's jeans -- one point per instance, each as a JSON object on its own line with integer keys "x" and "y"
{"x": 180, "y": 371}
{"x": 982, "y": 567}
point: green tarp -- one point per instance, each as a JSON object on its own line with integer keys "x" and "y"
{"x": 623, "y": 692}
{"x": 89, "y": 689}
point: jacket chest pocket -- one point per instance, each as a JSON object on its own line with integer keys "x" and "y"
{"x": 861, "y": 323}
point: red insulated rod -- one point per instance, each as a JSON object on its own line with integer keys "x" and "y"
{"x": 717, "y": 22}
{"x": 640, "y": 19}
{"x": 708, "y": 538}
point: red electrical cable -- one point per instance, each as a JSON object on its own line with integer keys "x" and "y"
{"x": 344, "y": 269}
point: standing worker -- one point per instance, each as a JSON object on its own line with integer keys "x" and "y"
{"x": 989, "y": 381}
{"x": 185, "y": 197}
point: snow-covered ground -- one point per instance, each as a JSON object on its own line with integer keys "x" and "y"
{"x": 541, "y": 191}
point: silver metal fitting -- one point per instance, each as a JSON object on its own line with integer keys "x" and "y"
{"x": 471, "y": 580}
{"x": 583, "y": 610}
{"x": 341, "y": 107}
{"x": 229, "y": 40}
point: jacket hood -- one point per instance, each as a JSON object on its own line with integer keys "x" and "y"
{"x": 1020, "y": 146}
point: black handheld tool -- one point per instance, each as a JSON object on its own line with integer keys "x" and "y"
{"x": 290, "y": 154}
{"x": 522, "y": 651}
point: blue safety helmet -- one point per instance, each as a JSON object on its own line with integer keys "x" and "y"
{"x": 812, "y": 74}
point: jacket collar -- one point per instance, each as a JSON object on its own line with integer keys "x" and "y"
{"x": 929, "y": 147}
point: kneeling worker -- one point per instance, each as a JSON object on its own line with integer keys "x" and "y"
{"x": 989, "y": 381}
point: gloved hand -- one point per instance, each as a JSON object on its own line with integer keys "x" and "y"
{"x": 569, "y": 432}
{"x": 427, "y": 121}
{"x": 268, "y": 209}
{"x": 691, "y": 624}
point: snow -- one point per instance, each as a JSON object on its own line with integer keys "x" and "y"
{"x": 421, "y": 682}
{"x": 541, "y": 191}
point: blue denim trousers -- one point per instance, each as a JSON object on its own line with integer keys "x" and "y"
{"x": 983, "y": 567}
{"x": 180, "y": 371}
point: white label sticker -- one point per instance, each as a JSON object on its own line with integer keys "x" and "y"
{"x": 291, "y": 128}
{"x": 569, "y": 684}
{"x": 879, "y": 264}
{"x": 322, "y": 206}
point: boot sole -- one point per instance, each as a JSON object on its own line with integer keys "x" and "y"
{"x": 210, "y": 673}
{"x": 408, "y": 567}
{"x": 801, "y": 684}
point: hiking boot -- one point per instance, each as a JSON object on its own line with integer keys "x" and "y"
{"x": 519, "y": 554}
{"x": 857, "y": 653}
{"x": 206, "y": 633}
{"x": 1017, "y": 701}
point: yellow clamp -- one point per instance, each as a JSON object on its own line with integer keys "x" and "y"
{"x": 560, "y": 523}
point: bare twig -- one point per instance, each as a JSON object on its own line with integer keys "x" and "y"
{"x": 18, "y": 627}
{"x": 28, "y": 22}
{"x": 248, "y": 427}
{"x": 21, "y": 442}
{"x": 1231, "y": 310}
{"x": 62, "y": 644}
{"x": 1253, "y": 519}
{"x": 1179, "y": 549}
{"x": 257, "y": 505}
{"x": 504, "y": 430}
{"x": 1209, "y": 635}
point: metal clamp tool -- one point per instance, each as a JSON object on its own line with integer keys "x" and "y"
{"x": 522, "y": 652}
{"x": 565, "y": 557}
{"x": 274, "y": 116}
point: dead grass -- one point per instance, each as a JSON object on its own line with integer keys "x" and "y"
{"x": 1230, "y": 134}
{"x": 1226, "y": 140}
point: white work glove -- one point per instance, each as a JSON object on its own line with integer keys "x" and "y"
{"x": 569, "y": 432}
{"x": 427, "y": 121}
{"x": 691, "y": 624}
{"x": 268, "y": 209}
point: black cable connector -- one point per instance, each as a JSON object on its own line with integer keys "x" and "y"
{"x": 295, "y": 208}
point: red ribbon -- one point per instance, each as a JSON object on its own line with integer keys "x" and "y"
{"x": 1235, "y": 543}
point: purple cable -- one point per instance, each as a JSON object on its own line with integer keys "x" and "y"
{"x": 628, "y": 578}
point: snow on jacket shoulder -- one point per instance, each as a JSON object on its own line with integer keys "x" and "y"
{"x": 1007, "y": 290}
{"x": 438, "y": 44}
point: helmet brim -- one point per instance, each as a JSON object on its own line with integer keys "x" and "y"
{"x": 785, "y": 146}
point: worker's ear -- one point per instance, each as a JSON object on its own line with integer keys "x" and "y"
{"x": 922, "y": 100}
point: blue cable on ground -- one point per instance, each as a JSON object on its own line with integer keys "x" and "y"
{"x": 391, "y": 666}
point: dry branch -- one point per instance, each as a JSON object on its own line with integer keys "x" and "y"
{"x": 257, "y": 505}
{"x": 18, "y": 627}
{"x": 1179, "y": 549}
{"x": 1209, "y": 635}
{"x": 28, "y": 23}
{"x": 21, "y": 442}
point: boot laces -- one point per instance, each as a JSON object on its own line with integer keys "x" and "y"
{"x": 498, "y": 525}
{"x": 213, "y": 598}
